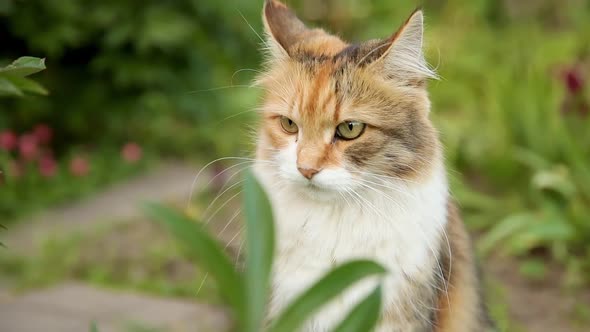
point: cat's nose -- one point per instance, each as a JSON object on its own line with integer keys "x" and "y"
{"x": 308, "y": 172}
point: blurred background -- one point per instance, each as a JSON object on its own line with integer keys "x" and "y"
{"x": 138, "y": 96}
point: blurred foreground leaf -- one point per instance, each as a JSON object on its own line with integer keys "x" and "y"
{"x": 326, "y": 289}
{"x": 260, "y": 249}
{"x": 364, "y": 316}
{"x": 201, "y": 245}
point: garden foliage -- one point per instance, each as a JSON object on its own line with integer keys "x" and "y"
{"x": 512, "y": 106}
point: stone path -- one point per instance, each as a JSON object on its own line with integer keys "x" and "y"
{"x": 71, "y": 307}
{"x": 169, "y": 182}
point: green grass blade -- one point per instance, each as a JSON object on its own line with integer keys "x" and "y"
{"x": 205, "y": 248}
{"x": 328, "y": 287}
{"x": 93, "y": 327}
{"x": 364, "y": 316}
{"x": 259, "y": 253}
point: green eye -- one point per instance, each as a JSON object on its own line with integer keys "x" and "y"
{"x": 350, "y": 129}
{"x": 288, "y": 125}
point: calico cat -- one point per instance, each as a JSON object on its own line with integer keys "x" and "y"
{"x": 354, "y": 169}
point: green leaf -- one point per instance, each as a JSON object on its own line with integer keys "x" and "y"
{"x": 327, "y": 288}
{"x": 23, "y": 66}
{"x": 531, "y": 159}
{"x": 507, "y": 227}
{"x": 28, "y": 85}
{"x": 200, "y": 244}
{"x": 260, "y": 249}
{"x": 93, "y": 327}
{"x": 545, "y": 231}
{"x": 556, "y": 179}
{"x": 364, "y": 316}
{"x": 7, "y": 88}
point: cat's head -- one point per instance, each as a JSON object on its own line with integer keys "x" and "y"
{"x": 338, "y": 116}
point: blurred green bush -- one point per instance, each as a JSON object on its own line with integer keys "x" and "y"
{"x": 126, "y": 69}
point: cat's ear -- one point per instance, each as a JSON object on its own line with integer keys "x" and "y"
{"x": 404, "y": 55}
{"x": 282, "y": 27}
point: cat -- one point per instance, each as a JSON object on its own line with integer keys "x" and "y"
{"x": 354, "y": 170}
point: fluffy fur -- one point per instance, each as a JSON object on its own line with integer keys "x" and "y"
{"x": 381, "y": 196}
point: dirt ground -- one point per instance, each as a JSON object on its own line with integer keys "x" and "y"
{"x": 539, "y": 306}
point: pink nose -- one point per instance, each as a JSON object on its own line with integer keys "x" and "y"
{"x": 308, "y": 172}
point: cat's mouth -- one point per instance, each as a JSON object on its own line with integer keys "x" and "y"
{"x": 310, "y": 185}
{"x": 314, "y": 184}
{"x": 317, "y": 191}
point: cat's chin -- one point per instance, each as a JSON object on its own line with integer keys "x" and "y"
{"x": 317, "y": 192}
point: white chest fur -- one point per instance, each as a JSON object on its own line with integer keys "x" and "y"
{"x": 400, "y": 227}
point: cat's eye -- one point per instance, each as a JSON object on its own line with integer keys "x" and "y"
{"x": 288, "y": 125}
{"x": 350, "y": 130}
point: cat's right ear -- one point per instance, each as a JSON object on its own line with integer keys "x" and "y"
{"x": 282, "y": 27}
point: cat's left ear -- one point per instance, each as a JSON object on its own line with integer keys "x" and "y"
{"x": 404, "y": 55}
{"x": 282, "y": 27}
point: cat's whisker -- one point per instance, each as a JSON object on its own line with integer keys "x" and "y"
{"x": 242, "y": 70}
{"x": 231, "y": 177}
{"x": 406, "y": 193}
{"x": 226, "y": 170}
{"x": 448, "y": 277}
{"x": 250, "y": 110}
{"x": 202, "y": 283}
{"x": 231, "y": 220}
{"x": 348, "y": 192}
{"x": 240, "y": 231}
{"x": 383, "y": 176}
{"x": 369, "y": 54}
{"x": 219, "y": 88}
{"x": 344, "y": 198}
{"x": 406, "y": 165}
{"x": 223, "y": 205}
{"x": 247, "y": 160}
{"x": 251, "y": 28}
{"x": 196, "y": 178}
{"x": 223, "y": 191}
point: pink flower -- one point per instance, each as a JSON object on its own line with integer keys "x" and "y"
{"x": 8, "y": 140}
{"x": 47, "y": 166}
{"x": 79, "y": 166}
{"x": 131, "y": 152}
{"x": 43, "y": 133}
{"x": 28, "y": 147}
{"x": 573, "y": 80}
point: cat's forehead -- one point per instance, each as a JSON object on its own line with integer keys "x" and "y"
{"x": 346, "y": 56}
{"x": 318, "y": 98}
{"x": 358, "y": 55}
